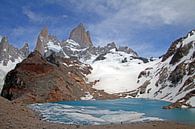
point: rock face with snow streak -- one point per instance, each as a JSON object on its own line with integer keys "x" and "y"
{"x": 172, "y": 79}
{"x": 81, "y": 36}
{"x": 48, "y": 44}
{"x": 25, "y": 50}
{"x": 10, "y": 53}
{"x": 9, "y": 57}
{"x": 72, "y": 49}
{"x": 51, "y": 79}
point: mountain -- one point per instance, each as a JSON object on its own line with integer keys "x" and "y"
{"x": 79, "y": 45}
{"x": 81, "y": 36}
{"x": 9, "y": 57}
{"x": 86, "y": 71}
{"x": 42, "y": 40}
{"x": 172, "y": 78}
{"x": 48, "y": 44}
{"x": 58, "y": 62}
{"x": 51, "y": 79}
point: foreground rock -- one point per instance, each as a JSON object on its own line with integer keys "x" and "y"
{"x": 37, "y": 79}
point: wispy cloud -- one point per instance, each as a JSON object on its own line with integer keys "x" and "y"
{"x": 140, "y": 24}
{"x": 122, "y": 21}
{"x": 32, "y": 16}
{"x": 41, "y": 18}
{"x": 152, "y": 12}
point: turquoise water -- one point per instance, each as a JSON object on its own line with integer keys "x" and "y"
{"x": 112, "y": 111}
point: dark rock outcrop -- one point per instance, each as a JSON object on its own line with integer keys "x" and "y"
{"x": 182, "y": 102}
{"x": 100, "y": 57}
{"x": 145, "y": 60}
{"x": 172, "y": 49}
{"x": 180, "y": 53}
{"x": 127, "y": 50}
{"x": 142, "y": 88}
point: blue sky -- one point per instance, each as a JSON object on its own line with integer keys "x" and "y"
{"x": 147, "y": 26}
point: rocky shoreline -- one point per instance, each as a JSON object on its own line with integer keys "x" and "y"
{"x": 15, "y": 115}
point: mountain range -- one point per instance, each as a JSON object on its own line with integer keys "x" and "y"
{"x": 75, "y": 69}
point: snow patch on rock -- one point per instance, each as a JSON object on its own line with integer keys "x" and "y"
{"x": 53, "y": 47}
{"x": 191, "y": 101}
{"x": 87, "y": 96}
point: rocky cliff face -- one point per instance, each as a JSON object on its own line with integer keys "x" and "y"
{"x": 25, "y": 50}
{"x": 172, "y": 79}
{"x": 48, "y": 44}
{"x": 41, "y": 41}
{"x": 39, "y": 79}
{"x": 9, "y": 57}
{"x": 81, "y": 36}
{"x": 10, "y": 53}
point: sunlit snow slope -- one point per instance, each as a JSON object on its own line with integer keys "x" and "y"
{"x": 118, "y": 72}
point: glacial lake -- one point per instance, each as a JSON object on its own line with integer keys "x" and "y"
{"x": 97, "y": 112}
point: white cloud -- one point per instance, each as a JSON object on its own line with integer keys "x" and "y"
{"x": 32, "y": 16}
{"x": 121, "y": 20}
{"x": 129, "y": 15}
{"x": 41, "y": 18}
{"x": 141, "y": 11}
